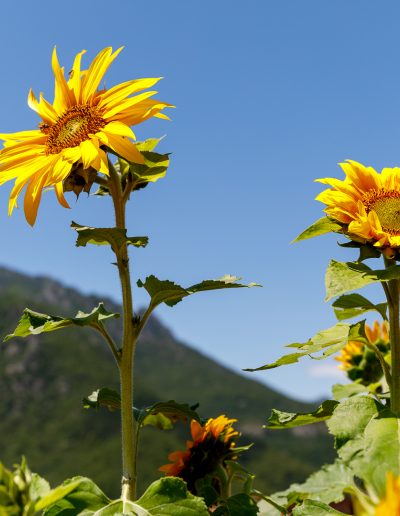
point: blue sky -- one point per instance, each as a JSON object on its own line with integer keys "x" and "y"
{"x": 270, "y": 95}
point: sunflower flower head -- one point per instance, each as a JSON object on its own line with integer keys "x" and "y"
{"x": 390, "y": 505}
{"x": 366, "y": 204}
{"x": 359, "y": 361}
{"x": 76, "y": 131}
{"x": 211, "y": 445}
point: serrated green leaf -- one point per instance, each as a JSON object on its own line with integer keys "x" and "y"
{"x": 84, "y": 498}
{"x": 115, "y": 237}
{"x": 330, "y": 341}
{"x": 105, "y": 397}
{"x": 170, "y": 293}
{"x": 352, "y": 305}
{"x": 34, "y": 323}
{"x": 55, "y": 495}
{"x": 169, "y": 497}
{"x": 314, "y": 508}
{"x": 351, "y": 416}
{"x": 326, "y": 485}
{"x": 279, "y": 419}
{"x": 347, "y": 390}
{"x": 320, "y": 227}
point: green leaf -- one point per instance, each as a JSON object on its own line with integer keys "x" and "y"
{"x": 347, "y": 390}
{"x": 103, "y": 397}
{"x": 380, "y": 451}
{"x": 342, "y": 277}
{"x": 314, "y": 508}
{"x": 171, "y": 410}
{"x": 115, "y": 237}
{"x": 353, "y": 305}
{"x": 170, "y": 497}
{"x": 320, "y": 227}
{"x": 169, "y": 293}
{"x": 34, "y": 323}
{"x": 326, "y": 485}
{"x": 330, "y": 340}
{"x": 84, "y": 498}
{"x": 237, "y": 505}
{"x": 351, "y": 416}
{"x": 367, "y": 252}
{"x": 279, "y": 419}
{"x": 55, "y": 495}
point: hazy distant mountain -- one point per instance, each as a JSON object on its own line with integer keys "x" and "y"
{"x": 44, "y": 378}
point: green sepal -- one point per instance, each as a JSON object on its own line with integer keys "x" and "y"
{"x": 279, "y": 419}
{"x": 170, "y": 293}
{"x": 85, "y": 498}
{"x": 240, "y": 504}
{"x": 320, "y": 227}
{"x": 115, "y": 237}
{"x": 34, "y": 323}
{"x": 315, "y": 508}
{"x": 328, "y": 341}
{"x": 342, "y": 277}
{"x": 348, "y": 306}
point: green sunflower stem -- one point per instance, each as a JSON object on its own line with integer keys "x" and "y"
{"x": 126, "y": 365}
{"x": 393, "y": 298}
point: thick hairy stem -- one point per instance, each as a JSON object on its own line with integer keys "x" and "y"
{"x": 128, "y": 423}
{"x": 394, "y": 323}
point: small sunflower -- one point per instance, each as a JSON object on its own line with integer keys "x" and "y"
{"x": 212, "y": 444}
{"x": 76, "y": 130}
{"x": 365, "y": 203}
{"x": 359, "y": 361}
{"x": 390, "y": 505}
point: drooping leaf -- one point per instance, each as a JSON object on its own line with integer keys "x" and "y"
{"x": 34, "y": 323}
{"x": 84, "y": 498}
{"x": 169, "y": 497}
{"x": 320, "y": 227}
{"x": 115, "y": 237}
{"x": 342, "y": 277}
{"x": 171, "y": 410}
{"x": 347, "y": 390}
{"x": 315, "y": 508}
{"x": 103, "y": 397}
{"x": 328, "y": 341}
{"x": 170, "y": 293}
{"x": 279, "y": 419}
{"x": 353, "y": 305}
{"x": 237, "y": 505}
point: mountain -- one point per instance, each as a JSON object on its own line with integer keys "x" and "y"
{"x": 44, "y": 378}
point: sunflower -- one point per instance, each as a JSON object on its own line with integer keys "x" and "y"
{"x": 359, "y": 361}
{"x": 76, "y": 131}
{"x": 365, "y": 203}
{"x": 212, "y": 444}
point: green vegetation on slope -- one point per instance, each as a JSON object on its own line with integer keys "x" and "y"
{"x": 43, "y": 380}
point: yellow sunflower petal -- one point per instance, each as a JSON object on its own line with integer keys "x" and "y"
{"x": 96, "y": 72}
{"x": 122, "y": 146}
{"x": 33, "y": 195}
{"x": 119, "y": 129}
{"x": 48, "y": 115}
{"x": 59, "y": 189}
{"x": 74, "y": 81}
{"x": 63, "y": 99}
{"x": 89, "y": 153}
{"x": 115, "y": 95}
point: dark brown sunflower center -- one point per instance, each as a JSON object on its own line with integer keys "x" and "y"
{"x": 386, "y": 205}
{"x": 72, "y": 128}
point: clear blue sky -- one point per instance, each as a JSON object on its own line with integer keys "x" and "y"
{"x": 270, "y": 95}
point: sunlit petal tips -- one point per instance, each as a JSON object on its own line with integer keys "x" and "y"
{"x": 82, "y": 124}
{"x": 366, "y": 203}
